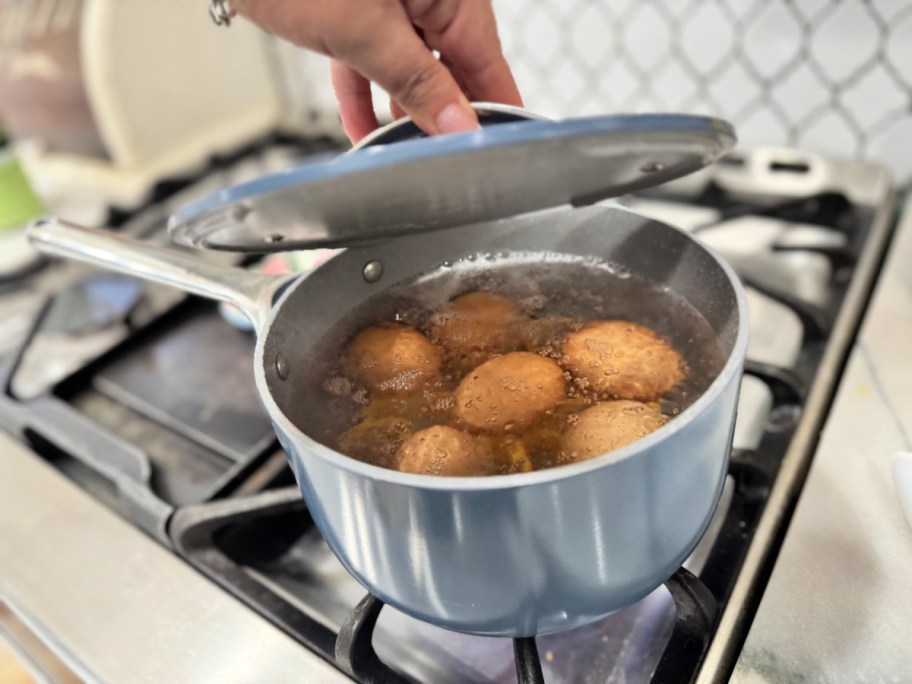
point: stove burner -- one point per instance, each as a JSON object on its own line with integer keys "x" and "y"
{"x": 695, "y": 613}
{"x": 201, "y": 533}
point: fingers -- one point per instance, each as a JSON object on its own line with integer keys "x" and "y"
{"x": 356, "y": 106}
{"x": 457, "y": 74}
{"x": 290, "y": 20}
{"x": 466, "y": 34}
{"x": 377, "y": 41}
{"x": 396, "y": 111}
{"x": 404, "y": 66}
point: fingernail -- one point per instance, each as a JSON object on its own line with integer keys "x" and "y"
{"x": 455, "y": 118}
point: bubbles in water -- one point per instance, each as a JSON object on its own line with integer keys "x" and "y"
{"x": 338, "y": 386}
{"x": 557, "y": 295}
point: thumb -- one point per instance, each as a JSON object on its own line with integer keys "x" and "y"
{"x": 404, "y": 66}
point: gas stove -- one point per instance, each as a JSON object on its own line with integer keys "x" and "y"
{"x": 148, "y": 504}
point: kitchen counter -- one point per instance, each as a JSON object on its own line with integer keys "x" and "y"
{"x": 114, "y": 604}
{"x": 839, "y": 602}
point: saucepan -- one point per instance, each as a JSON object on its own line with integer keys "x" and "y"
{"x": 511, "y": 555}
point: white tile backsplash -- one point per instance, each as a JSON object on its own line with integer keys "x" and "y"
{"x": 834, "y": 76}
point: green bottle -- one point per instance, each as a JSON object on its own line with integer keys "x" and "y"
{"x": 18, "y": 202}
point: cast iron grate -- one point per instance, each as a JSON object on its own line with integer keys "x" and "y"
{"x": 695, "y": 613}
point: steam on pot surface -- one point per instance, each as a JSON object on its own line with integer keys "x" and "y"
{"x": 507, "y": 363}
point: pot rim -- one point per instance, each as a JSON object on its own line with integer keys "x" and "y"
{"x": 733, "y": 365}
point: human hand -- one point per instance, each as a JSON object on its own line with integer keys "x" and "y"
{"x": 379, "y": 41}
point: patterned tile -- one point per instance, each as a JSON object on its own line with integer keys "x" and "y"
{"x": 540, "y": 32}
{"x": 675, "y": 86}
{"x": 845, "y": 41}
{"x": 834, "y": 75}
{"x": 646, "y": 37}
{"x": 707, "y": 37}
{"x": 892, "y": 143}
{"x": 874, "y": 97}
{"x": 832, "y": 132}
{"x": 772, "y": 40}
{"x": 591, "y": 37}
{"x": 734, "y": 89}
{"x": 568, "y": 84}
{"x": 801, "y": 92}
{"x": 889, "y": 9}
{"x": 899, "y": 49}
{"x": 622, "y": 85}
{"x": 762, "y": 127}
{"x": 813, "y": 9}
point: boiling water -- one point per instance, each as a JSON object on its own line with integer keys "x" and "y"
{"x": 558, "y": 294}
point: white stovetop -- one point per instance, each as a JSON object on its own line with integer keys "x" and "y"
{"x": 838, "y": 607}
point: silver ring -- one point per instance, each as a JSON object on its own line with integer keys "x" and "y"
{"x": 221, "y": 12}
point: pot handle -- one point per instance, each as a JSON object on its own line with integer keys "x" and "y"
{"x": 252, "y": 293}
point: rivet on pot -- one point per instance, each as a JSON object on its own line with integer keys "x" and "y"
{"x": 652, "y": 167}
{"x": 281, "y": 365}
{"x": 373, "y": 271}
{"x": 274, "y": 238}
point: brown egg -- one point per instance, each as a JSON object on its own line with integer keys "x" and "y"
{"x": 392, "y": 358}
{"x": 476, "y": 325}
{"x": 375, "y": 440}
{"x": 623, "y": 360}
{"x": 442, "y": 450}
{"x": 509, "y": 392}
{"x": 608, "y": 426}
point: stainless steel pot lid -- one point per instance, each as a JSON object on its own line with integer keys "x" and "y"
{"x": 427, "y": 184}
